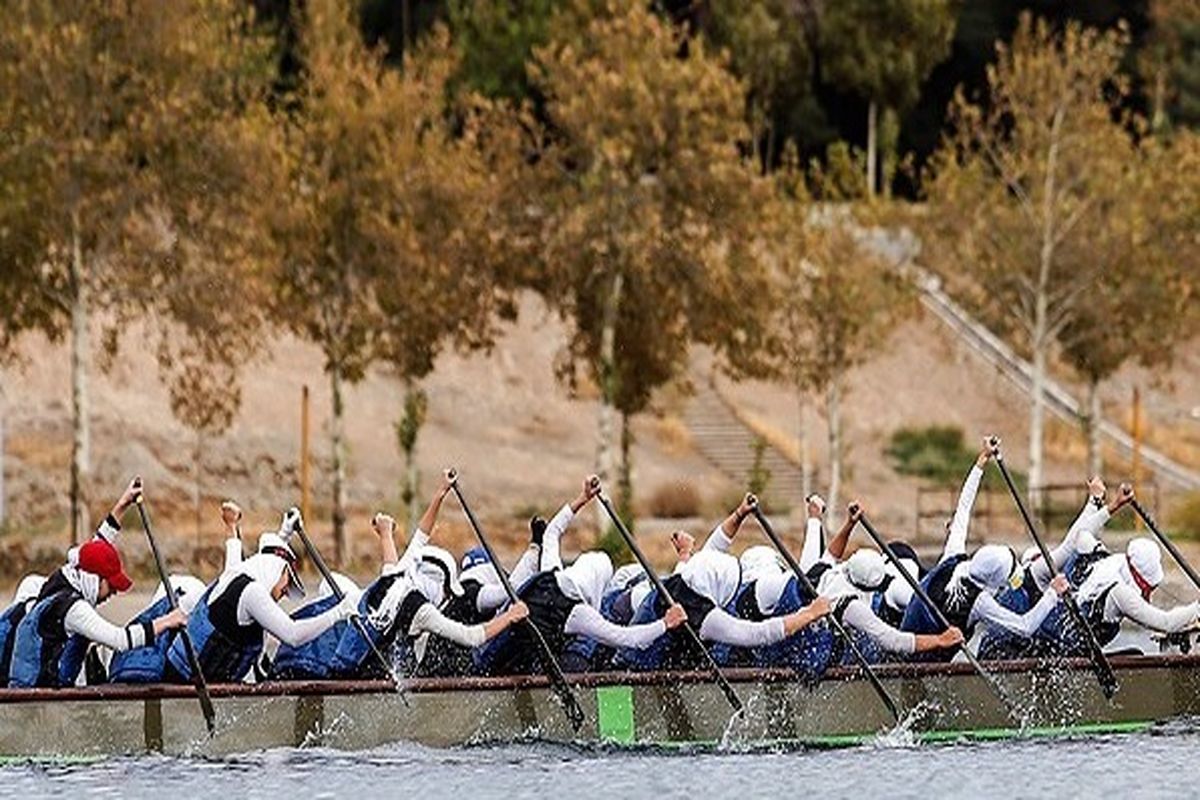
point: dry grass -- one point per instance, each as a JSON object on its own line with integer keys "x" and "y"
{"x": 674, "y": 500}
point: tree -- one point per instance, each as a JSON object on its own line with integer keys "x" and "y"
{"x": 882, "y": 51}
{"x": 646, "y": 204}
{"x": 496, "y": 39}
{"x": 770, "y": 50}
{"x": 448, "y": 280}
{"x": 833, "y": 307}
{"x": 1170, "y": 62}
{"x": 120, "y": 122}
{"x": 1140, "y": 306}
{"x": 1022, "y": 183}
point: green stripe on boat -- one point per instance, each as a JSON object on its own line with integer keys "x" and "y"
{"x": 614, "y": 705}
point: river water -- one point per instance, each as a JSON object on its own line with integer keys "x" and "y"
{"x": 1161, "y": 763}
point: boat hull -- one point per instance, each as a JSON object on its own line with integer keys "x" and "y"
{"x": 943, "y": 701}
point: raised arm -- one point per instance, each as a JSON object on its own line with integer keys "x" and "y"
{"x": 810, "y": 553}
{"x": 385, "y": 531}
{"x": 837, "y": 545}
{"x": 721, "y": 538}
{"x": 552, "y": 538}
{"x": 231, "y": 520}
{"x": 956, "y": 532}
{"x": 110, "y": 526}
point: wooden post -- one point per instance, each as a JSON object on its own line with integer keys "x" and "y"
{"x": 304, "y": 458}
{"x": 1136, "y": 425}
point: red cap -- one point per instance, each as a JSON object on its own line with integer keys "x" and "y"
{"x": 101, "y": 558}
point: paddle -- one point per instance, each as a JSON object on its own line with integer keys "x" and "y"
{"x": 355, "y": 621}
{"x": 713, "y": 667}
{"x": 834, "y": 622}
{"x": 206, "y": 704}
{"x": 1100, "y": 666}
{"x": 1167, "y": 543}
{"x": 558, "y": 681}
{"x": 920, "y": 592}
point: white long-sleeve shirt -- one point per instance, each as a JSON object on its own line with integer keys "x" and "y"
{"x": 257, "y": 605}
{"x": 989, "y": 612}
{"x": 811, "y": 552}
{"x": 492, "y": 595}
{"x": 1126, "y": 601}
{"x": 429, "y": 620}
{"x": 552, "y": 538}
{"x": 1080, "y": 538}
{"x": 587, "y": 621}
{"x": 721, "y": 626}
{"x": 84, "y": 620}
{"x": 858, "y": 615}
{"x": 956, "y": 537}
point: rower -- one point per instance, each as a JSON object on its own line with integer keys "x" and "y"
{"x": 146, "y": 664}
{"x": 401, "y": 609}
{"x": 850, "y": 585}
{"x": 564, "y": 604}
{"x": 1074, "y": 557}
{"x": 890, "y": 603}
{"x": 228, "y": 623}
{"x": 965, "y": 587}
{"x": 54, "y": 636}
{"x": 1116, "y": 588}
{"x": 23, "y": 600}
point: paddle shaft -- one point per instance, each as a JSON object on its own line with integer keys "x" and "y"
{"x": 1104, "y": 671}
{"x": 834, "y": 622}
{"x": 355, "y": 622}
{"x": 660, "y": 587}
{"x": 920, "y": 592}
{"x": 558, "y": 681}
{"x": 206, "y": 704}
{"x": 1167, "y": 543}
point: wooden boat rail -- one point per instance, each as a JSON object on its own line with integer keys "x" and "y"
{"x": 913, "y": 671}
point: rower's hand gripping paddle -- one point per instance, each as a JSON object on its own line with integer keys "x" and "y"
{"x": 206, "y": 704}
{"x": 1100, "y": 666}
{"x": 833, "y": 621}
{"x": 558, "y": 681}
{"x": 726, "y": 688}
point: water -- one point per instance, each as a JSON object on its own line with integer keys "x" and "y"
{"x": 1163, "y": 763}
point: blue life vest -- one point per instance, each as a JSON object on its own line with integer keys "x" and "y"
{"x": 44, "y": 655}
{"x": 997, "y": 643}
{"x": 313, "y": 660}
{"x": 9, "y": 621}
{"x": 144, "y": 664}
{"x": 674, "y": 649}
{"x": 919, "y": 618}
{"x": 225, "y": 649}
{"x": 810, "y": 650}
{"x": 353, "y": 657}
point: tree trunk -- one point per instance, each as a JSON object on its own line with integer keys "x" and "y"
{"x": 605, "y": 456}
{"x": 1091, "y": 426}
{"x": 625, "y": 478}
{"x": 413, "y": 419}
{"x": 339, "y": 468}
{"x": 872, "y": 160}
{"x": 806, "y": 478}
{"x": 81, "y": 441}
{"x": 833, "y": 408}
{"x": 1037, "y": 414}
{"x": 1158, "y": 118}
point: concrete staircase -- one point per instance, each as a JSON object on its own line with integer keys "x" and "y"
{"x": 728, "y": 443}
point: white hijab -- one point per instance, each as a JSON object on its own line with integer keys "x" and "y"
{"x": 28, "y": 589}
{"x": 990, "y": 568}
{"x": 1146, "y": 558}
{"x": 760, "y": 561}
{"x": 584, "y": 581}
{"x": 86, "y": 583}
{"x": 714, "y": 575}
{"x": 187, "y": 591}
{"x": 264, "y": 568}
{"x": 425, "y": 578}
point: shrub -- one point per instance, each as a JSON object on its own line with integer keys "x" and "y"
{"x": 674, "y": 500}
{"x": 940, "y": 455}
